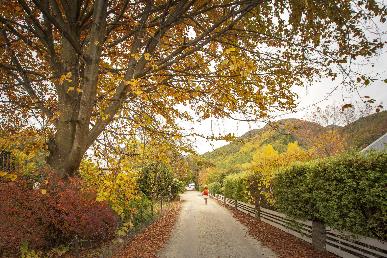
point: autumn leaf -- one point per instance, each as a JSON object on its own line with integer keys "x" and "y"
{"x": 344, "y": 107}
{"x": 229, "y": 50}
{"x": 138, "y": 92}
{"x": 65, "y": 77}
{"x": 136, "y": 56}
{"x": 132, "y": 82}
{"x": 12, "y": 177}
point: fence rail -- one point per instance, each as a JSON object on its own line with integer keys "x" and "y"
{"x": 341, "y": 244}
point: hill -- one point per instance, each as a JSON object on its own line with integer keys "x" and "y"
{"x": 364, "y": 131}
{"x": 358, "y": 135}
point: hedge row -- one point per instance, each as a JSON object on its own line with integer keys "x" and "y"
{"x": 236, "y": 186}
{"x": 215, "y": 188}
{"x": 347, "y": 192}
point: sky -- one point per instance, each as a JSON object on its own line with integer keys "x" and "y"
{"x": 318, "y": 94}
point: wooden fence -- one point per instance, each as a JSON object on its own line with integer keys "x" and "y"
{"x": 7, "y": 161}
{"x": 341, "y": 244}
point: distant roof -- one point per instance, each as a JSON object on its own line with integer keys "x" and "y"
{"x": 380, "y": 144}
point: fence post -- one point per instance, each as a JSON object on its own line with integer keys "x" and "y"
{"x": 318, "y": 235}
{"x": 224, "y": 200}
{"x": 257, "y": 208}
{"x": 236, "y": 204}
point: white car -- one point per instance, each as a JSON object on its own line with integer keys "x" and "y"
{"x": 190, "y": 187}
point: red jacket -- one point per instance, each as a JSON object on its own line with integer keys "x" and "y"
{"x": 205, "y": 192}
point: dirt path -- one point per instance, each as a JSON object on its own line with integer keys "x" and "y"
{"x": 210, "y": 231}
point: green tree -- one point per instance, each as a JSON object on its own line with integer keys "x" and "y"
{"x": 156, "y": 181}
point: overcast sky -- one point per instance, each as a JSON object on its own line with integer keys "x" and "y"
{"x": 316, "y": 94}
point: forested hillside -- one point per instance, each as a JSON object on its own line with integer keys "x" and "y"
{"x": 366, "y": 130}
{"x": 279, "y": 134}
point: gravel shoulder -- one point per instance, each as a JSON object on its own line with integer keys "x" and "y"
{"x": 210, "y": 231}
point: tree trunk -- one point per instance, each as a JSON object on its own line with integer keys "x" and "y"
{"x": 61, "y": 161}
{"x": 73, "y": 136}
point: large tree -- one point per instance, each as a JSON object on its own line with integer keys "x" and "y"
{"x": 80, "y": 67}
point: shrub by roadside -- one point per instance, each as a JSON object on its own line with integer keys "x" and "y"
{"x": 346, "y": 192}
{"x": 56, "y": 212}
{"x": 146, "y": 241}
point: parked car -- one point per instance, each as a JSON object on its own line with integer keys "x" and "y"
{"x": 190, "y": 187}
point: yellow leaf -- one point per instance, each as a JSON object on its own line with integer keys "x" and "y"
{"x": 2, "y": 173}
{"x": 132, "y": 82}
{"x": 147, "y": 56}
{"x": 228, "y": 50}
{"x": 70, "y": 89}
{"x": 79, "y": 90}
{"x": 136, "y": 56}
{"x": 43, "y": 191}
{"x": 138, "y": 92}
{"x": 65, "y": 77}
{"x": 13, "y": 177}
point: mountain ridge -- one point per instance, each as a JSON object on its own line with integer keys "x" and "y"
{"x": 358, "y": 135}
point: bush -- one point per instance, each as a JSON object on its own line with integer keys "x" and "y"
{"x": 142, "y": 208}
{"x": 118, "y": 187}
{"x": 236, "y": 186}
{"x": 177, "y": 187}
{"x": 54, "y": 214}
{"x": 23, "y": 216}
{"x": 346, "y": 192}
{"x": 215, "y": 188}
{"x": 156, "y": 180}
{"x": 78, "y": 214}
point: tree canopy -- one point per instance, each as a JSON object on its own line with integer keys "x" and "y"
{"x": 79, "y": 68}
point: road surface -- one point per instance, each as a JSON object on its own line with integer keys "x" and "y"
{"x": 210, "y": 231}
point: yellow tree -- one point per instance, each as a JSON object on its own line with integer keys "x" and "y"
{"x": 83, "y": 67}
{"x": 265, "y": 166}
{"x": 329, "y": 143}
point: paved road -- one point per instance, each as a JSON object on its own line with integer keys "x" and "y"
{"x": 210, "y": 231}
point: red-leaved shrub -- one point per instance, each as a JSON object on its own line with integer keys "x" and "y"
{"x": 56, "y": 213}
{"x": 22, "y": 217}
{"x": 77, "y": 213}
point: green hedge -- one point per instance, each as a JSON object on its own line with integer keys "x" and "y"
{"x": 236, "y": 186}
{"x": 215, "y": 188}
{"x": 347, "y": 192}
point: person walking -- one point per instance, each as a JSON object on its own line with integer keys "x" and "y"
{"x": 205, "y": 194}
